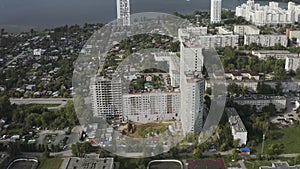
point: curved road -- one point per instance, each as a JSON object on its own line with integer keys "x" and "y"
{"x": 61, "y": 101}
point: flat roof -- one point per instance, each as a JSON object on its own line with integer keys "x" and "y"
{"x": 235, "y": 120}
{"x": 260, "y": 98}
{"x": 272, "y": 51}
{"x": 90, "y": 163}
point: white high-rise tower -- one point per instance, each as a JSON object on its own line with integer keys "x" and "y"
{"x": 191, "y": 80}
{"x": 215, "y": 11}
{"x": 123, "y": 12}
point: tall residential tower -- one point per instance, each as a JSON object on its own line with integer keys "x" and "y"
{"x": 215, "y": 11}
{"x": 191, "y": 80}
{"x": 123, "y": 12}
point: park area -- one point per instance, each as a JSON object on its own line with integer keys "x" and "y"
{"x": 288, "y": 137}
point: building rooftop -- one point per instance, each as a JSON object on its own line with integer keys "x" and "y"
{"x": 89, "y": 162}
{"x": 150, "y": 93}
{"x": 280, "y": 165}
{"x": 250, "y": 26}
{"x": 272, "y": 51}
{"x": 193, "y": 77}
{"x": 235, "y": 120}
{"x": 260, "y": 98}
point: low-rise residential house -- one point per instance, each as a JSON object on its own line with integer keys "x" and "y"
{"x": 241, "y": 74}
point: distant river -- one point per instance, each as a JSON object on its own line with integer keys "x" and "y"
{"x": 18, "y": 15}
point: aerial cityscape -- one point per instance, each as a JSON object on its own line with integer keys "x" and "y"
{"x": 206, "y": 89}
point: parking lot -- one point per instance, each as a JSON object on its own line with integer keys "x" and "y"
{"x": 56, "y": 137}
{"x": 289, "y": 117}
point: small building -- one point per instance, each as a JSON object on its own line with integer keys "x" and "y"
{"x": 242, "y": 30}
{"x": 292, "y": 63}
{"x": 238, "y": 128}
{"x": 38, "y": 52}
{"x": 224, "y": 31}
{"x": 294, "y": 34}
{"x": 241, "y": 74}
{"x": 245, "y": 151}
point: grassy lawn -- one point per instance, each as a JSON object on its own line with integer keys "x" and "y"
{"x": 50, "y": 163}
{"x": 229, "y": 163}
{"x": 290, "y": 138}
{"x": 256, "y": 164}
{"x": 131, "y": 163}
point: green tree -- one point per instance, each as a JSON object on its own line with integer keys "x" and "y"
{"x": 297, "y": 159}
{"x": 297, "y": 73}
{"x": 279, "y": 71}
{"x": 276, "y": 149}
{"x": 234, "y": 89}
{"x": 13, "y": 149}
{"x": 5, "y": 107}
{"x": 197, "y": 152}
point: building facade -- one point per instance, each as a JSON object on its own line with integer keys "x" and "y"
{"x": 215, "y": 11}
{"x": 174, "y": 65}
{"x": 191, "y": 81}
{"x": 123, "y": 12}
{"x": 106, "y": 97}
{"x": 242, "y": 30}
{"x": 260, "y": 102}
{"x": 268, "y": 14}
{"x": 218, "y": 41}
{"x": 238, "y": 128}
{"x": 148, "y": 107}
{"x": 266, "y": 40}
{"x": 278, "y": 54}
{"x": 292, "y": 63}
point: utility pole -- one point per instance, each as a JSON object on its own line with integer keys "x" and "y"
{"x": 262, "y": 146}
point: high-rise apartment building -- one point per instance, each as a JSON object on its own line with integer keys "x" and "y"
{"x": 191, "y": 81}
{"x": 106, "y": 97}
{"x": 153, "y": 106}
{"x": 123, "y": 12}
{"x": 268, "y": 14}
{"x": 215, "y": 11}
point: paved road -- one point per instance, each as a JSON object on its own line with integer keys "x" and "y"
{"x": 241, "y": 162}
{"x": 288, "y": 155}
{"x": 14, "y": 59}
{"x": 61, "y": 101}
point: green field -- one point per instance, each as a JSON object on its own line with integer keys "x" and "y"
{"x": 50, "y": 163}
{"x": 290, "y": 139}
{"x": 256, "y": 164}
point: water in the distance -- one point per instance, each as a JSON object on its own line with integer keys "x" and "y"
{"x": 22, "y": 14}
